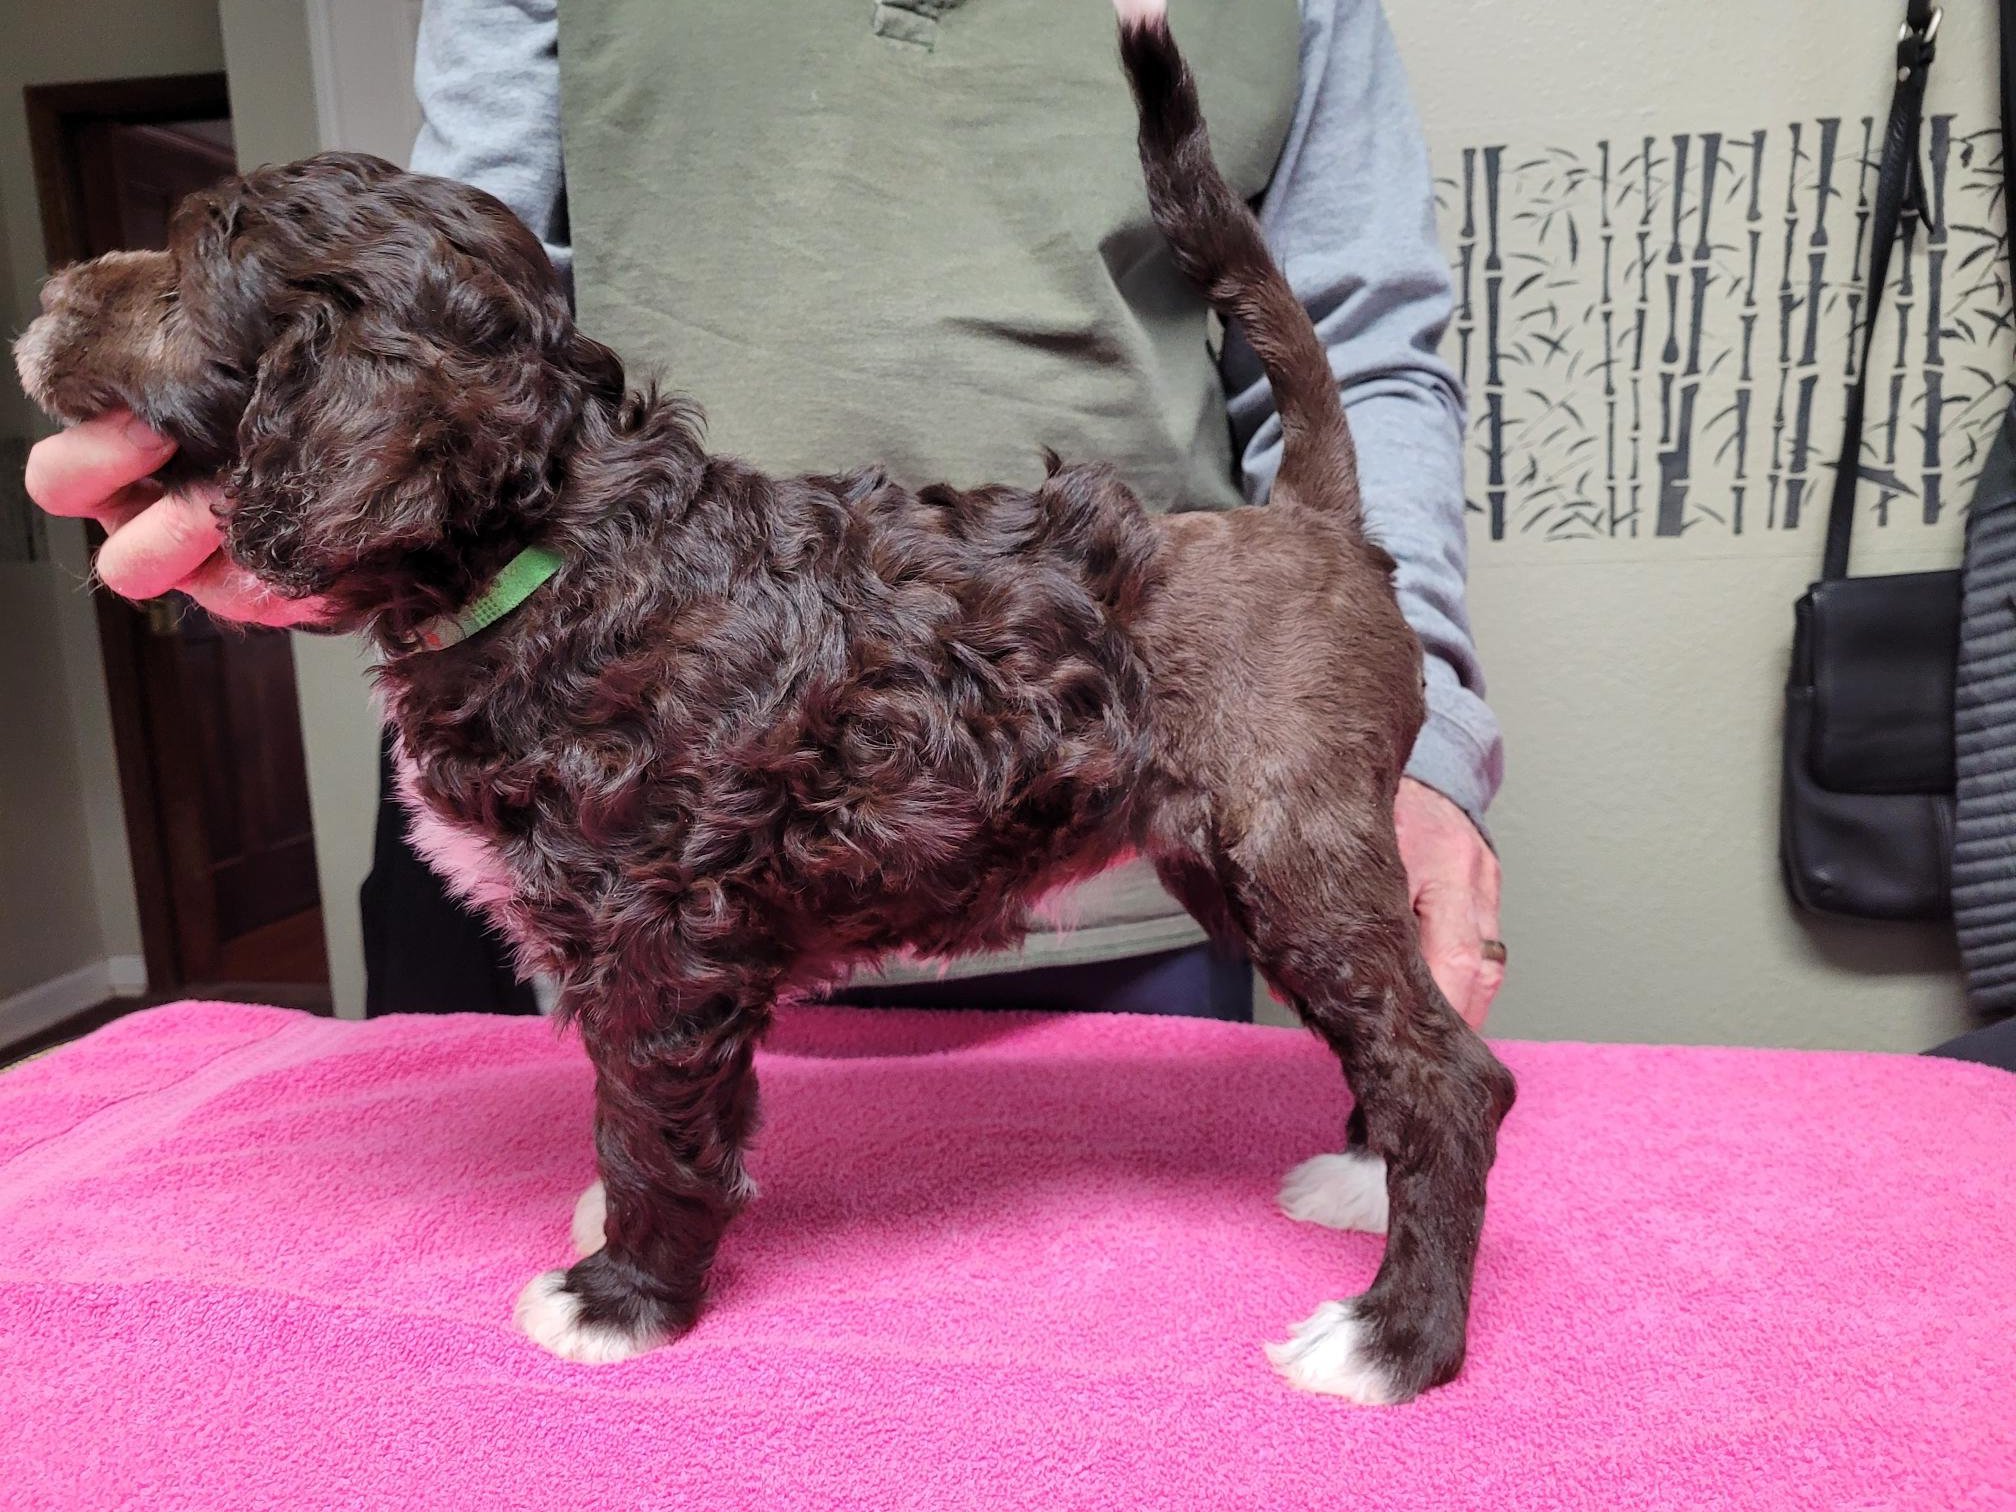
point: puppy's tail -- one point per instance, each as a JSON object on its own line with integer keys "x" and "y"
{"x": 1217, "y": 243}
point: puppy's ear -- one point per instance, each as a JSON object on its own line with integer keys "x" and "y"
{"x": 385, "y": 457}
{"x": 323, "y": 477}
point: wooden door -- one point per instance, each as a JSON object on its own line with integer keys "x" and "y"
{"x": 209, "y": 734}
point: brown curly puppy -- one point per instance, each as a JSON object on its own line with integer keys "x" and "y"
{"x": 756, "y": 731}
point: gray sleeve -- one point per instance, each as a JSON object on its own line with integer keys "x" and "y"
{"x": 487, "y": 74}
{"x": 1351, "y": 217}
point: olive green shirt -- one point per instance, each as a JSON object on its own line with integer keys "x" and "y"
{"x": 915, "y": 234}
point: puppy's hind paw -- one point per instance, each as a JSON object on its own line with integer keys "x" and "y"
{"x": 1332, "y": 1352}
{"x": 550, "y": 1317}
{"x": 1346, "y": 1191}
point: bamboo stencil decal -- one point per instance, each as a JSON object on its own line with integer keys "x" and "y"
{"x": 1658, "y": 334}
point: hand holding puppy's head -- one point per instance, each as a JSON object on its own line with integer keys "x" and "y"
{"x": 380, "y": 368}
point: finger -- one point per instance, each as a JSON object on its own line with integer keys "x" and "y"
{"x": 78, "y": 471}
{"x": 126, "y": 506}
{"x": 1452, "y": 947}
{"x": 1490, "y": 978}
{"x": 230, "y": 592}
{"x": 159, "y": 547}
{"x": 1483, "y": 992}
{"x": 1486, "y": 879}
{"x": 1490, "y": 973}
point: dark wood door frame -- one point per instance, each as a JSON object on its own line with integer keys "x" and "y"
{"x": 55, "y": 111}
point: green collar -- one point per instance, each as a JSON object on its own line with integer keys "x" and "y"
{"x": 522, "y": 576}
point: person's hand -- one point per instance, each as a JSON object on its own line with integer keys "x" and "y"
{"x": 154, "y": 542}
{"x": 1452, "y": 877}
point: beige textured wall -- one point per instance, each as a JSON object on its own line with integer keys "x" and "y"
{"x": 284, "y": 107}
{"x": 66, "y": 887}
{"x": 49, "y": 923}
{"x": 273, "y": 106}
{"x": 1639, "y": 675}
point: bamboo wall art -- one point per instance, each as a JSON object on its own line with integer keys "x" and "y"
{"x": 1657, "y": 333}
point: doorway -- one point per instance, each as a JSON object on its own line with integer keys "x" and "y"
{"x": 211, "y": 767}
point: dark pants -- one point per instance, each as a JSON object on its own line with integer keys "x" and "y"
{"x": 1198, "y": 982}
{"x": 1993, "y": 1046}
{"x": 425, "y": 952}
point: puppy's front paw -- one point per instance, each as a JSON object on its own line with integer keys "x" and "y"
{"x": 551, "y": 1317}
{"x": 591, "y": 1216}
{"x": 1332, "y": 1352}
{"x": 1346, "y": 1191}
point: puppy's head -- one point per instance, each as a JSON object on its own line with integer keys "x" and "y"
{"x": 379, "y": 368}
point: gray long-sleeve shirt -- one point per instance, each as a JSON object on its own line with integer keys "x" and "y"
{"x": 1349, "y": 213}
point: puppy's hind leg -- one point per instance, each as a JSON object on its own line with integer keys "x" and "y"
{"x": 675, "y": 1103}
{"x": 1318, "y": 890}
{"x": 1344, "y": 1190}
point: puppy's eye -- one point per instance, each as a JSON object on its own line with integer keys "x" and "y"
{"x": 167, "y": 299}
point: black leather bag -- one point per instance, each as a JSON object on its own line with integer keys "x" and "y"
{"x": 1868, "y": 804}
{"x": 1866, "y": 819}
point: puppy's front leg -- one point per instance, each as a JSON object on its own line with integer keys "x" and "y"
{"x": 675, "y": 1103}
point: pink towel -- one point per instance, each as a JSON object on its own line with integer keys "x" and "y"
{"x": 253, "y": 1259}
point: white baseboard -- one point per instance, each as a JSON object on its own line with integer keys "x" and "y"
{"x": 128, "y": 975}
{"x": 46, "y": 1003}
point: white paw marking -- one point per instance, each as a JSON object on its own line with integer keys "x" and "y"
{"x": 1346, "y": 1191}
{"x": 551, "y": 1318}
{"x": 1140, "y": 12}
{"x": 1330, "y": 1352}
{"x": 591, "y": 1217}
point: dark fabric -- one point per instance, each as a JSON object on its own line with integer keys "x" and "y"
{"x": 1984, "y": 844}
{"x": 1993, "y": 1046}
{"x": 1199, "y": 982}
{"x": 425, "y": 952}
{"x": 1866, "y": 807}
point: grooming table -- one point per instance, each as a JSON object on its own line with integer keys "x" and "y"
{"x": 250, "y": 1258}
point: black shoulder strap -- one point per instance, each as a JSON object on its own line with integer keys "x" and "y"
{"x": 2009, "y": 132}
{"x": 1897, "y": 190}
